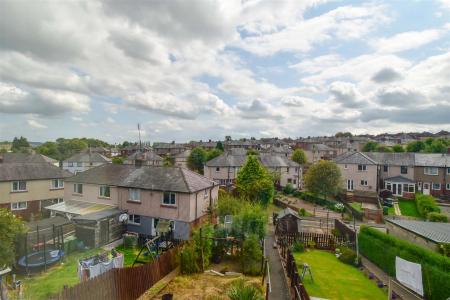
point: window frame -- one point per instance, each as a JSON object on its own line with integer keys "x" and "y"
{"x": 363, "y": 182}
{"x": 137, "y": 191}
{"x": 76, "y": 189}
{"x": 363, "y": 168}
{"x": 427, "y": 169}
{"x": 58, "y": 185}
{"x": 385, "y": 168}
{"x": 18, "y": 190}
{"x": 447, "y": 187}
{"x": 437, "y": 184}
{"x": 403, "y": 168}
{"x": 79, "y": 164}
{"x": 132, "y": 219}
{"x": 217, "y": 169}
{"x": 70, "y": 164}
{"x": 18, "y": 205}
{"x": 174, "y": 200}
{"x": 104, "y": 189}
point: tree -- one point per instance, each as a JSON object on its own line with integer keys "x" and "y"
{"x": 117, "y": 160}
{"x": 20, "y": 144}
{"x": 299, "y": 156}
{"x": 49, "y": 149}
{"x": 168, "y": 161}
{"x": 370, "y": 146}
{"x": 437, "y": 146}
{"x": 323, "y": 178}
{"x": 415, "y": 146}
{"x": 254, "y": 181}
{"x": 219, "y": 146}
{"x": 213, "y": 153}
{"x": 343, "y": 134}
{"x": 398, "y": 148}
{"x": 10, "y": 227}
{"x": 252, "y": 152}
{"x": 384, "y": 148}
{"x": 197, "y": 159}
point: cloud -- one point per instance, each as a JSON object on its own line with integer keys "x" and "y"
{"x": 399, "y": 97}
{"x": 346, "y": 94}
{"x": 36, "y": 124}
{"x": 258, "y": 110}
{"x": 406, "y": 40}
{"x": 386, "y": 75}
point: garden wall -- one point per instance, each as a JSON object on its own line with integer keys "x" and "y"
{"x": 381, "y": 249}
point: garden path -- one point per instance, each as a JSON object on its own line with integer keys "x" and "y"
{"x": 277, "y": 278}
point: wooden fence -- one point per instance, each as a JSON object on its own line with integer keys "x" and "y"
{"x": 124, "y": 283}
{"x": 297, "y": 289}
{"x": 319, "y": 240}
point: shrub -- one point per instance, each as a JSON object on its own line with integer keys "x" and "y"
{"x": 437, "y": 217}
{"x": 335, "y": 232}
{"x": 298, "y": 247}
{"x": 445, "y": 249}
{"x": 189, "y": 260}
{"x": 251, "y": 219}
{"x": 382, "y": 249}
{"x": 302, "y": 212}
{"x": 241, "y": 291}
{"x": 348, "y": 256}
{"x": 130, "y": 240}
{"x": 190, "y": 256}
{"x": 251, "y": 256}
{"x": 426, "y": 204}
{"x": 289, "y": 189}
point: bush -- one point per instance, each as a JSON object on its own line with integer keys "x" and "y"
{"x": 445, "y": 249}
{"x": 252, "y": 219}
{"x": 189, "y": 260}
{"x": 241, "y": 291}
{"x": 437, "y": 217}
{"x": 381, "y": 249}
{"x": 251, "y": 256}
{"x": 190, "y": 256}
{"x": 298, "y": 247}
{"x": 336, "y": 232}
{"x": 426, "y": 204}
{"x": 130, "y": 240}
{"x": 302, "y": 212}
{"x": 289, "y": 189}
{"x": 348, "y": 256}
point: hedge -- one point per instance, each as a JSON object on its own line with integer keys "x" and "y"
{"x": 381, "y": 249}
{"x": 426, "y": 204}
{"x": 310, "y": 197}
{"x": 437, "y": 217}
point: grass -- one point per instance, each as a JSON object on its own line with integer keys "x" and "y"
{"x": 391, "y": 211}
{"x": 44, "y": 285}
{"x": 408, "y": 208}
{"x": 336, "y": 280}
{"x": 357, "y": 206}
{"x": 131, "y": 253}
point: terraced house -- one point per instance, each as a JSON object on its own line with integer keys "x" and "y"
{"x": 28, "y": 183}
{"x": 148, "y": 194}
{"x": 432, "y": 174}
{"x": 84, "y": 161}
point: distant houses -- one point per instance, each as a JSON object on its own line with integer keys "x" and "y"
{"x": 148, "y": 158}
{"x": 83, "y": 161}
{"x": 30, "y": 182}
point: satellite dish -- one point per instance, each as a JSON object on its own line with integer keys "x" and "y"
{"x": 123, "y": 218}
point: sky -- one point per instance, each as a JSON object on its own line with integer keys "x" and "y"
{"x": 198, "y": 70}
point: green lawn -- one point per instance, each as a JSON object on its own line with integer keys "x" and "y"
{"x": 408, "y": 208}
{"x": 44, "y": 285}
{"x": 336, "y": 280}
{"x": 131, "y": 253}
{"x": 391, "y": 211}
{"x": 357, "y": 206}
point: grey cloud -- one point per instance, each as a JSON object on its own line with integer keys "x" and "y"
{"x": 399, "y": 97}
{"x": 345, "y": 93}
{"x": 434, "y": 114}
{"x": 257, "y": 110}
{"x": 292, "y": 101}
{"x": 386, "y": 75}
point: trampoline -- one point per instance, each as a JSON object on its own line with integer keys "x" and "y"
{"x": 38, "y": 260}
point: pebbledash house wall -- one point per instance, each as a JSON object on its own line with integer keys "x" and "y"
{"x": 37, "y": 192}
{"x": 223, "y": 173}
{"x": 91, "y": 193}
{"x": 352, "y": 172}
{"x": 442, "y": 178}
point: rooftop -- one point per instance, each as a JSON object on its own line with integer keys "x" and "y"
{"x": 26, "y": 158}
{"x": 31, "y": 171}
{"x": 88, "y": 157}
{"x": 434, "y": 231}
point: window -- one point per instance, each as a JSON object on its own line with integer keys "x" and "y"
{"x": 57, "y": 183}
{"x": 78, "y": 188}
{"x": 430, "y": 171}
{"x": 217, "y": 169}
{"x": 385, "y": 168}
{"x": 134, "y": 219}
{"x": 388, "y": 186}
{"x": 345, "y": 166}
{"x": 19, "y": 186}
{"x": 57, "y": 200}
{"x": 79, "y": 164}
{"x": 364, "y": 182}
{"x": 287, "y": 170}
{"x": 104, "y": 191}
{"x": 289, "y": 180}
{"x": 436, "y": 186}
{"x": 296, "y": 170}
{"x": 295, "y": 181}
{"x": 134, "y": 195}
{"x": 404, "y": 169}
{"x": 362, "y": 168}
{"x": 448, "y": 186}
{"x": 70, "y": 164}
{"x": 172, "y": 225}
{"x": 19, "y": 205}
{"x": 206, "y": 194}
{"x": 411, "y": 188}
{"x": 169, "y": 198}
{"x": 448, "y": 171}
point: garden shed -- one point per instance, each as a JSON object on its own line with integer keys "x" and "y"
{"x": 288, "y": 221}
{"x": 99, "y": 228}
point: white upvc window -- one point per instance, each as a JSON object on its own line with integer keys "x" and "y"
{"x": 78, "y": 188}
{"x": 19, "y": 186}
{"x": 448, "y": 171}
{"x": 364, "y": 183}
{"x": 134, "y": 219}
{"x": 79, "y": 164}
{"x": 362, "y": 168}
{"x": 57, "y": 200}
{"x": 436, "y": 186}
{"x": 346, "y": 166}
{"x": 19, "y": 205}
{"x": 134, "y": 195}
{"x": 169, "y": 198}
{"x": 217, "y": 169}
{"x": 70, "y": 164}
{"x": 448, "y": 186}
{"x": 287, "y": 170}
{"x": 431, "y": 171}
{"x": 105, "y": 191}
{"x": 57, "y": 183}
